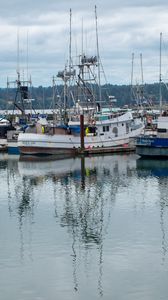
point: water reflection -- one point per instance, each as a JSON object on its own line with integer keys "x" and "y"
{"x": 154, "y": 167}
{"x": 83, "y": 192}
{"x": 20, "y": 198}
{"x": 158, "y": 168}
{"x": 78, "y": 202}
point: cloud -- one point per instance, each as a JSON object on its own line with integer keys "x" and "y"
{"x": 124, "y": 27}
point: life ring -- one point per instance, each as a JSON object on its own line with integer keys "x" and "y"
{"x": 93, "y": 122}
{"x": 149, "y": 120}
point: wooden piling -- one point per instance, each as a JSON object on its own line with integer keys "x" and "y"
{"x": 82, "y": 132}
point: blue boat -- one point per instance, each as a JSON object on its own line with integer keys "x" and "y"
{"x": 154, "y": 145}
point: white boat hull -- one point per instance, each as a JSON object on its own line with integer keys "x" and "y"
{"x": 32, "y": 143}
{"x": 108, "y": 133}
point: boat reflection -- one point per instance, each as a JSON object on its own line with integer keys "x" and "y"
{"x": 155, "y": 167}
{"x": 158, "y": 168}
{"x": 83, "y": 192}
{"x": 74, "y": 208}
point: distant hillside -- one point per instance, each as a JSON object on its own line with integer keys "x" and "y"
{"x": 43, "y": 96}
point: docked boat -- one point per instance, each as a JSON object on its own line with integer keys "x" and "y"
{"x": 154, "y": 145}
{"x": 12, "y": 141}
{"x": 107, "y": 133}
{"x": 21, "y": 101}
{"x": 5, "y": 127}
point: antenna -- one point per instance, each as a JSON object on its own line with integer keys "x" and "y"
{"x": 98, "y": 58}
{"x": 160, "y": 75}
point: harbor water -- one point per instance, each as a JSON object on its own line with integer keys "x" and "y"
{"x": 83, "y": 228}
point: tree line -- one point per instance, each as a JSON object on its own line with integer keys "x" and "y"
{"x": 116, "y": 95}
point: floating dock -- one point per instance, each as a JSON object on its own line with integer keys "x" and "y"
{"x": 113, "y": 150}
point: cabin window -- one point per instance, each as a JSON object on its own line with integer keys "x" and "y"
{"x": 162, "y": 130}
{"x": 115, "y": 131}
{"x": 105, "y": 128}
{"x": 127, "y": 128}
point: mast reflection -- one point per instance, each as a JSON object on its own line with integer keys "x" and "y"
{"x": 20, "y": 200}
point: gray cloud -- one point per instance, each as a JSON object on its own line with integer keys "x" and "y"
{"x": 124, "y": 27}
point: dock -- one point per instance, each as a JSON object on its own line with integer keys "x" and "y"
{"x": 126, "y": 148}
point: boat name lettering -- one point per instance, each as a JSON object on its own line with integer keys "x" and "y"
{"x": 146, "y": 141}
{"x": 28, "y": 143}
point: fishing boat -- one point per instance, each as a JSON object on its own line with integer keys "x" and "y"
{"x": 22, "y": 99}
{"x": 101, "y": 130}
{"x": 156, "y": 143}
{"x": 66, "y": 139}
{"x": 5, "y": 127}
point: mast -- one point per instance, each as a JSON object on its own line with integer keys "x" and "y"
{"x": 142, "y": 81}
{"x": 82, "y": 36}
{"x": 70, "y": 41}
{"x": 18, "y": 53}
{"x": 160, "y": 76}
{"x": 67, "y": 74}
{"x": 23, "y": 87}
{"x": 98, "y": 59}
{"x": 27, "y": 55}
{"x": 53, "y": 99}
{"x": 132, "y": 72}
{"x": 18, "y": 81}
{"x": 142, "y": 78}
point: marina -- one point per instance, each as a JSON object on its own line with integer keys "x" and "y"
{"x": 83, "y": 151}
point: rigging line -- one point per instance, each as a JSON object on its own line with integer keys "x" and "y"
{"x": 103, "y": 72}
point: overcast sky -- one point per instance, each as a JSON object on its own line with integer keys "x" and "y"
{"x": 124, "y": 27}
